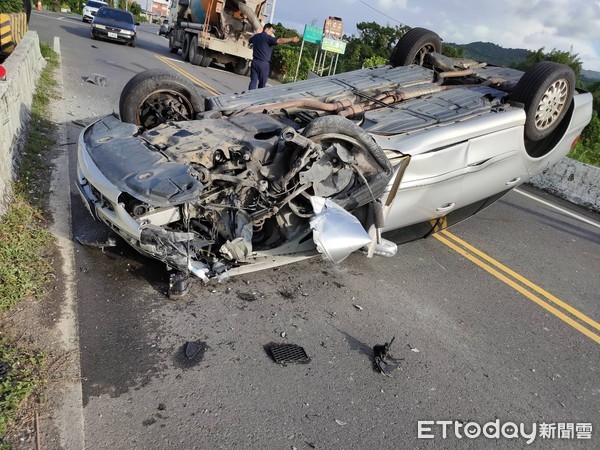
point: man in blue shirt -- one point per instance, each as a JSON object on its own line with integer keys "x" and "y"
{"x": 262, "y": 48}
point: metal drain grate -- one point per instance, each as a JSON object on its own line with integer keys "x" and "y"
{"x": 288, "y": 354}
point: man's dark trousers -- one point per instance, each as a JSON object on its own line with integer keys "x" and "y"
{"x": 259, "y": 74}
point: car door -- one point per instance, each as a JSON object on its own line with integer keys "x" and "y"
{"x": 430, "y": 188}
{"x": 495, "y": 163}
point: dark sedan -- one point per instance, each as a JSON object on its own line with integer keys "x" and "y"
{"x": 115, "y": 25}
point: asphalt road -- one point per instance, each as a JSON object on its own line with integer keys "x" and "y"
{"x": 480, "y": 342}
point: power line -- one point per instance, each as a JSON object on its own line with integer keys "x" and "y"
{"x": 382, "y": 13}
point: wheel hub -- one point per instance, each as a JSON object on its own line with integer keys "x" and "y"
{"x": 163, "y": 106}
{"x": 552, "y": 104}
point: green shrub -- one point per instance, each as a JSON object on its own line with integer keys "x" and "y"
{"x": 11, "y": 6}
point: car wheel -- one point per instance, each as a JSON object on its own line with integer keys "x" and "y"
{"x": 413, "y": 46}
{"x": 172, "y": 48}
{"x": 185, "y": 50}
{"x": 336, "y": 130}
{"x": 134, "y": 42}
{"x": 157, "y": 96}
{"x": 241, "y": 66}
{"x": 546, "y": 90}
{"x": 194, "y": 56}
{"x": 206, "y": 60}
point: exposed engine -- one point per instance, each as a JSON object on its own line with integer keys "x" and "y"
{"x": 257, "y": 175}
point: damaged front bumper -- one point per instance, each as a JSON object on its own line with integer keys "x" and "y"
{"x": 104, "y": 200}
{"x": 146, "y": 198}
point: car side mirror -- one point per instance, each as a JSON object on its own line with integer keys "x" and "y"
{"x": 137, "y": 24}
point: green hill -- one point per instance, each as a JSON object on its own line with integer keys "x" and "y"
{"x": 492, "y": 53}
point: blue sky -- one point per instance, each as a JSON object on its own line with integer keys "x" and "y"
{"x": 568, "y": 25}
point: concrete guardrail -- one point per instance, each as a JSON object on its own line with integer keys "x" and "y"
{"x": 23, "y": 68}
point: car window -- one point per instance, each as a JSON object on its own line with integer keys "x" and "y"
{"x": 115, "y": 14}
{"x": 93, "y": 4}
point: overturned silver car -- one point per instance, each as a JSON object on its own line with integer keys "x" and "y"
{"x": 238, "y": 182}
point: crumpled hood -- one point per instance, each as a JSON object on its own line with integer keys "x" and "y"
{"x": 144, "y": 173}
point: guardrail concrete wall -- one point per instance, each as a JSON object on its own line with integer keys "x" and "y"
{"x": 23, "y": 69}
{"x": 572, "y": 180}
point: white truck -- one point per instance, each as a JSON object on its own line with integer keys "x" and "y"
{"x": 216, "y": 30}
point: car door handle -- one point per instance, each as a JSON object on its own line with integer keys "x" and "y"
{"x": 513, "y": 181}
{"x": 446, "y": 207}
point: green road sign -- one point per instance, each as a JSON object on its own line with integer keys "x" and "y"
{"x": 333, "y": 45}
{"x": 312, "y": 34}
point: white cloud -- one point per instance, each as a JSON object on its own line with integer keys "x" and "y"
{"x": 530, "y": 24}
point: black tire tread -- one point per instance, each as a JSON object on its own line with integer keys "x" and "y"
{"x": 531, "y": 87}
{"x": 185, "y": 50}
{"x": 413, "y": 39}
{"x": 144, "y": 83}
{"x": 194, "y": 57}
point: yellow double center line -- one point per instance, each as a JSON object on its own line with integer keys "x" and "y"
{"x": 189, "y": 76}
{"x": 503, "y": 273}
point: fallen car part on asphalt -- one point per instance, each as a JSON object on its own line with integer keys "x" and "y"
{"x": 97, "y": 79}
{"x": 110, "y": 242}
{"x": 383, "y": 361}
{"x": 288, "y": 354}
{"x": 192, "y": 349}
{"x": 231, "y": 184}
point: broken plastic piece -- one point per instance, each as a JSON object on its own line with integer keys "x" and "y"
{"x": 191, "y": 349}
{"x": 383, "y": 361}
{"x": 110, "y": 242}
{"x": 97, "y": 79}
{"x": 336, "y": 232}
{"x": 288, "y": 354}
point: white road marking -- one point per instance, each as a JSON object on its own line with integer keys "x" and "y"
{"x": 558, "y": 208}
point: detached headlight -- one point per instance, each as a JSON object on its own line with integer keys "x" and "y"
{"x": 130, "y": 33}
{"x": 97, "y": 25}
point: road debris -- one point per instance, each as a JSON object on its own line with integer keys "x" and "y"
{"x": 360, "y": 308}
{"x": 191, "y": 349}
{"x": 287, "y": 354}
{"x": 110, "y": 242}
{"x": 339, "y": 422}
{"x": 190, "y": 354}
{"x": 247, "y": 296}
{"x": 97, "y": 79}
{"x": 383, "y": 361}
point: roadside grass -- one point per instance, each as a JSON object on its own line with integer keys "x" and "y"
{"x": 25, "y": 249}
{"x": 587, "y": 149}
{"x": 586, "y": 154}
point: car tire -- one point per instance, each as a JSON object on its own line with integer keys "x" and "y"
{"x": 241, "y": 66}
{"x": 328, "y": 129}
{"x": 195, "y": 57}
{"x": 172, "y": 48}
{"x": 157, "y": 96}
{"x": 206, "y": 59}
{"x": 546, "y": 90}
{"x": 413, "y": 46}
{"x": 185, "y": 50}
{"x": 134, "y": 42}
